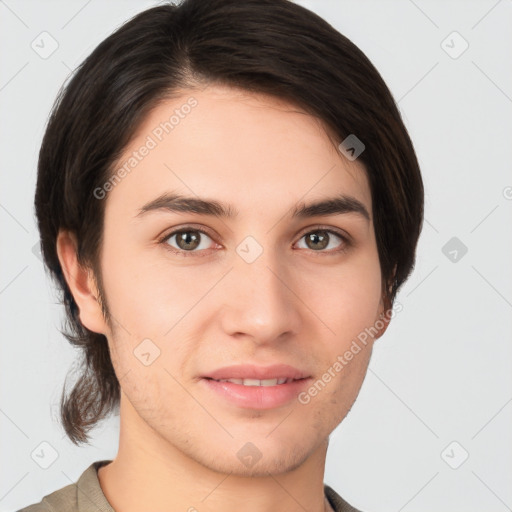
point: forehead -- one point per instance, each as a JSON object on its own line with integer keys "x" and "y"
{"x": 252, "y": 150}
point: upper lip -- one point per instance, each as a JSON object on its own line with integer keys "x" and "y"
{"x": 249, "y": 371}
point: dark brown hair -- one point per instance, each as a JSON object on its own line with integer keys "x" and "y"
{"x": 265, "y": 46}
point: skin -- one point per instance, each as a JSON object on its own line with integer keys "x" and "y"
{"x": 294, "y": 304}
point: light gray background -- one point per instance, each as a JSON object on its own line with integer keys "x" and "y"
{"x": 442, "y": 371}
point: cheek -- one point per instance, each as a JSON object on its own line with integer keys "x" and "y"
{"x": 154, "y": 305}
{"x": 149, "y": 296}
{"x": 144, "y": 296}
{"x": 347, "y": 297}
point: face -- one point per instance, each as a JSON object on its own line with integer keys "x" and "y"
{"x": 192, "y": 292}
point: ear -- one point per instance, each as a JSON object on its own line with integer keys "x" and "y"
{"x": 384, "y": 313}
{"x": 81, "y": 283}
{"x": 383, "y": 317}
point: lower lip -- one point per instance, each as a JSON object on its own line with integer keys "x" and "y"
{"x": 258, "y": 397}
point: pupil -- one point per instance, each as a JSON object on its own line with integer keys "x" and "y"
{"x": 323, "y": 239}
{"x": 190, "y": 241}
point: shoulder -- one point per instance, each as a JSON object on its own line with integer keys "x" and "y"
{"x": 337, "y": 502}
{"x": 85, "y": 495}
{"x": 64, "y": 499}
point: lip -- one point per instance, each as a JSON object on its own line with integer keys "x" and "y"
{"x": 250, "y": 371}
{"x": 256, "y": 397}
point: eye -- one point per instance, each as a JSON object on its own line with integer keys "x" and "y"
{"x": 187, "y": 240}
{"x": 320, "y": 238}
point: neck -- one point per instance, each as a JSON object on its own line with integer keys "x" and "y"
{"x": 149, "y": 472}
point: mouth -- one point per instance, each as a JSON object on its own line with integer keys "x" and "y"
{"x": 254, "y": 375}
{"x": 256, "y": 382}
{"x": 257, "y": 394}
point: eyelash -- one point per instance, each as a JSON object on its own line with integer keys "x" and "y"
{"x": 346, "y": 243}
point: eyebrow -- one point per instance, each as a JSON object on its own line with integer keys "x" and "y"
{"x": 178, "y": 203}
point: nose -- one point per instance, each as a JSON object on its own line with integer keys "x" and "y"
{"x": 262, "y": 303}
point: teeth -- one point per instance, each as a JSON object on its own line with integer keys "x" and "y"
{"x": 256, "y": 382}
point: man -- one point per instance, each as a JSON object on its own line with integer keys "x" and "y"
{"x": 229, "y": 200}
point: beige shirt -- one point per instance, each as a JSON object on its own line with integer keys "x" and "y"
{"x": 86, "y": 495}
